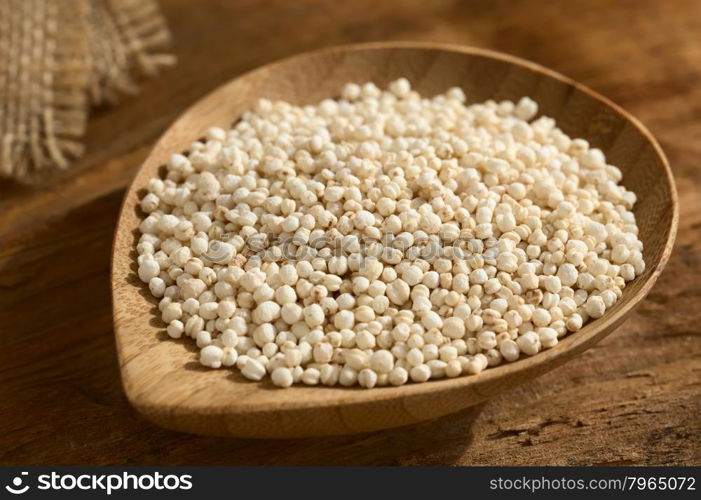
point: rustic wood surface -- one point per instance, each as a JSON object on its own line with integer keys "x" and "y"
{"x": 635, "y": 398}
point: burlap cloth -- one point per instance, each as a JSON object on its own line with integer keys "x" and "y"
{"x": 57, "y": 57}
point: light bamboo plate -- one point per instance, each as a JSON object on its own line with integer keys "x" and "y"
{"x": 163, "y": 379}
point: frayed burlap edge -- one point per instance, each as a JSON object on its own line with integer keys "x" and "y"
{"x": 43, "y": 76}
{"x": 128, "y": 38}
{"x": 58, "y": 57}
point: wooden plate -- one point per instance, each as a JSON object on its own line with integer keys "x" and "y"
{"x": 162, "y": 377}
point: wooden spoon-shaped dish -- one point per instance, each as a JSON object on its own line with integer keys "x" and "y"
{"x": 163, "y": 379}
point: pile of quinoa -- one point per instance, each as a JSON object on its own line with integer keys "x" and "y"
{"x": 385, "y": 237}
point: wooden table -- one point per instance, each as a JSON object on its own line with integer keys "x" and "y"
{"x": 633, "y": 399}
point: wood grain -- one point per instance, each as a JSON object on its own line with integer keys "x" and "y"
{"x": 633, "y": 398}
{"x": 162, "y": 378}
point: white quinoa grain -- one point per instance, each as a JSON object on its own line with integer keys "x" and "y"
{"x": 211, "y": 356}
{"x": 282, "y": 377}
